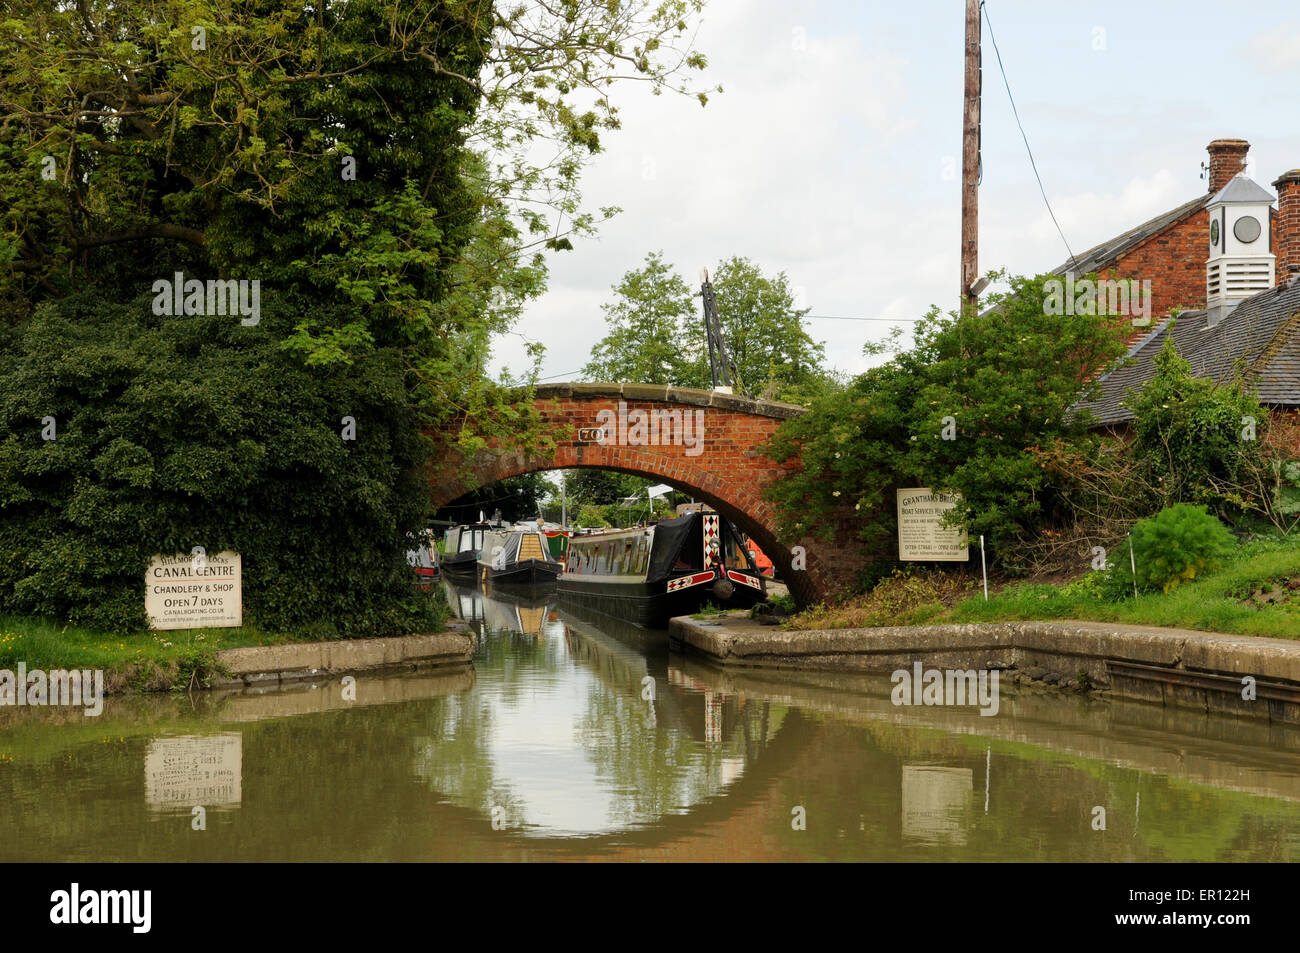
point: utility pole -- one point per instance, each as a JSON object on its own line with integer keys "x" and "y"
{"x": 970, "y": 157}
{"x": 564, "y": 504}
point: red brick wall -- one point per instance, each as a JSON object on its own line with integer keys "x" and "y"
{"x": 730, "y": 474}
{"x": 1174, "y": 263}
{"x": 1286, "y": 226}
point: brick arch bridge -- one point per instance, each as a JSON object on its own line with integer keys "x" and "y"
{"x": 724, "y": 466}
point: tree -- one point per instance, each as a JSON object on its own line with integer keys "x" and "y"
{"x": 645, "y": 342}
{"x": 373, "y": 169}
{"x": 606, "y": 492}
{"x": 772, "y": 353}
{"x": 518, "y": 498}
{"x": 657, "y": 333}
{"x": 380, "y": 156}
{"x": 963, "y": 411}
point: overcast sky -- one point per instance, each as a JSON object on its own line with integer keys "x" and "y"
{"x": 834, "y": 153}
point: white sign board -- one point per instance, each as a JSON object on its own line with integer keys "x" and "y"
{"x": 919, "y": 534}
{"x": 194, "y": 770}
{"x": 194, "y": 592}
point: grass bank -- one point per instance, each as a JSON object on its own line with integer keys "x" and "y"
{"x": 1255, "y": 592}
{"x": 145, "y": 661}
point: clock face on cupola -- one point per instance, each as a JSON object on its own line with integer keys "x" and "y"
{"x": 1241, "y": 262}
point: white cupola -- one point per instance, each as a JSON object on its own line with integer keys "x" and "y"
{"x": 1241, "y": 260}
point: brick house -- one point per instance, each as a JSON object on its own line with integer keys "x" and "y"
{"x": 1169, "y": 250}
{"x": 1228, "y": 264}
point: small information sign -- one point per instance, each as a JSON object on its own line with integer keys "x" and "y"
{"x": 920, "y": 537}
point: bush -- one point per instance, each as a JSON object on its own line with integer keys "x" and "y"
{"x": 963, "y": 410}
{"x": 1112, "y": 584}
{"x": 1177, "y": 544}
{"x": 592, "y": 516}
{"x": 175, "y": 432}
{"x": 1200, "y": 441}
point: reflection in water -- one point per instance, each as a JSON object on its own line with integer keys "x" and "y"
{"x": 572, "y": 738}
{"x": 935, "y": 801}
{"x": 190, "y": 770}
{"x": 571, "y": 733}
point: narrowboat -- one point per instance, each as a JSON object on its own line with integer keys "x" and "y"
{"x": 423, "y": 557}
{"x": 519, "y": 556}
{"x": 649, "y": 574}
{"x": 461, "y": 550}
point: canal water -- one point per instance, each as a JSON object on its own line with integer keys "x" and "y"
{"x": 574, "y": 739}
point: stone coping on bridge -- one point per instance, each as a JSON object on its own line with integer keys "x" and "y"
{"x": 1182, "y": 667}
{"x": 272, "y": 664}
{"x": 662, "y": 393}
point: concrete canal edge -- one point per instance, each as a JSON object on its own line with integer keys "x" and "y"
{"x": 1180, "y": 667}
{"x": 263, "y": 665}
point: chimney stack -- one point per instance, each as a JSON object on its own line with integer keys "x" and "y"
{"x": 1227, "y": 158}
{"x": 1288, "y": 226}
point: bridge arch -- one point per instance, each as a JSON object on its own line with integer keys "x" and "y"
{"x": 714, "y": 454}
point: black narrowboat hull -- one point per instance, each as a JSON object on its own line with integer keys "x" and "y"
{"x": 653, "y": 604}
{"x": 528, "y": 572}
{"x": 461, "y": 566}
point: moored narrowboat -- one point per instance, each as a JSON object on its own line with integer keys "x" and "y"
{"x": 647, "y": 575}
{"x": 461, "y": 550}
{"x": 423, "y": 557}
{"x": 517, "y": 557}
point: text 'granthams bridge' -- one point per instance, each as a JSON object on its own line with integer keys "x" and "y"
{"x": 705, "y": 443}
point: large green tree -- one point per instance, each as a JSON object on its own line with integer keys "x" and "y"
{"x": 374, "y": 164}
{"x": 378, "y": 153}
{"x": 646, "y": 341}
{"x": 657, "y": 333}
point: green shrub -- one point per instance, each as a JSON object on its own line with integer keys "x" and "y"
{"x": 785, "y": 603}
{"x": 963, "y": 410}
{"x": 175, "y": 432}
{"x": 1177, "y": 544}
{"x": 1199, "y": 440}
{"x": 592, "y": 517}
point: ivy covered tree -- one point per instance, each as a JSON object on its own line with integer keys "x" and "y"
{"x": 961, "y": 411}
{"x": 391, "y": 174}
{"x": 379, "y": 155}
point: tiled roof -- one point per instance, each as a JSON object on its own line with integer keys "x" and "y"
{"x": 1108, "y": 253}
{"x": 1260, "y": 338}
